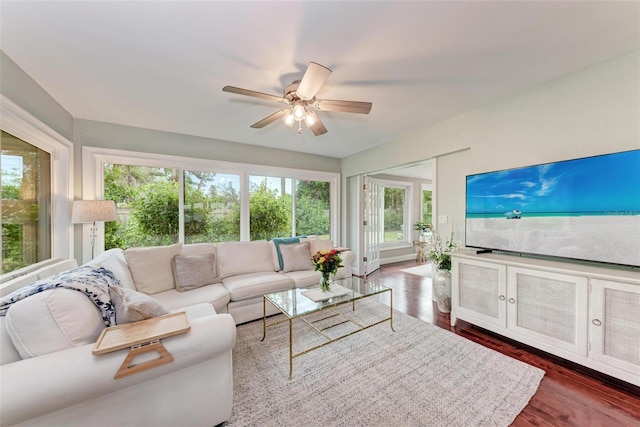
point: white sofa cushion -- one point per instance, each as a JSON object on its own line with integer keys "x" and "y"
{"x": 53, "y": 320}
{"x": 114, "y": 260}
{"x": 197, "y": 311}
{"x": 198, "y": 249}
{"x": 133, "y": 306}
{"x": 16, "y": 283}
{"x": 151, "y": 267}
{"x": 193, "y": 271}
{"x": 296, "y": 257}
{"x": 252, "y": 285}
{"x": 8, "y": 352}
{"x": 304, "y": 278}
{"x": 237, "y": 258}
{"x": 216, "y": 295}
{"x": 39, "y": 271}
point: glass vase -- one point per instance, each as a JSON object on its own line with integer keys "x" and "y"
{"x": 325, "y": 282}
{"x": 442, "y": 290}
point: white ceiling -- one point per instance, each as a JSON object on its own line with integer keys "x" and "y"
{"x": 162, "y": 65}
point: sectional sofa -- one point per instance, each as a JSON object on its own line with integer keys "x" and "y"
{"x": 49, "y": 376}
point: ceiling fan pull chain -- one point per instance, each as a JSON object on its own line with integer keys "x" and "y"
{"x": 299, "y": 127}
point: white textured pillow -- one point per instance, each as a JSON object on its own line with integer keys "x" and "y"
{"x": 53, "y": 320}
{"x": 296, "y": 257}
{"x": 132, "y": 306}
{"x": 151, "y": 267}
{"x": 320, "y": 245}
{"x": 114, "y": 261}
{"x": 193, "y": 271}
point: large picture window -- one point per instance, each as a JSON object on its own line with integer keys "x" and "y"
{"x": 269, "y": 207}
{"x": 197, "y": 200}
{"x": 211, "y": 207}
{"x": 147, "y": 205}
{"x": 26, "y": 203}
{"x": 313, "y": 208}
{"x": 36, "y": 182}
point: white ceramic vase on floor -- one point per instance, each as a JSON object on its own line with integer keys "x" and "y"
{"x": 442, "y": 290}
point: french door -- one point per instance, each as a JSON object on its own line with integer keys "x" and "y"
{"x": 373, "y": 199}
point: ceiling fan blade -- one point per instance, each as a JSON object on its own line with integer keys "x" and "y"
{"x": 312, "y": 80}
{"x": 269, "y": 119}
{"x": 317, "y": 127}
{"x": 358, "y": 107}
{"x": 247, "y": 92}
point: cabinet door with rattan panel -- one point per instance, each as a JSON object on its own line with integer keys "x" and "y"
{"x": 479, "y": 293}
{"x": 548, "y": 308}
{"x": 614, "y": 328}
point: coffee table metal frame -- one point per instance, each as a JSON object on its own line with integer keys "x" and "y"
{"x": 354, "y": 283}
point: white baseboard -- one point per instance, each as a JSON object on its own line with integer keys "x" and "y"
{"x": 399, "y": 258}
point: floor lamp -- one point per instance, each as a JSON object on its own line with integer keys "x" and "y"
{"x": 90, "y": 211}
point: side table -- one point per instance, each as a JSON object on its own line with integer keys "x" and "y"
{"x": 420, "y": 256}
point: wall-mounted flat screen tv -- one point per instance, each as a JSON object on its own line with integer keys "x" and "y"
{"x": 582, "y": 209}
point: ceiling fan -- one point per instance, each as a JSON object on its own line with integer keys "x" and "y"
{"x": 300, "y": 97}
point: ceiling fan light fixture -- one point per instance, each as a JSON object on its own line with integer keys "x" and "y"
{"x": 289, "y": 118}
{"x": 309, "y": 119}
{"x": 299, "y": 112}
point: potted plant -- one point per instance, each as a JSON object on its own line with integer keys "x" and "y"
{"x": 423, "y": 228}
{"x": 439, "y": 253}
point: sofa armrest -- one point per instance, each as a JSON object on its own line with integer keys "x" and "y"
{"x": 348, "y": 257}
{"x": 40, "y": 385}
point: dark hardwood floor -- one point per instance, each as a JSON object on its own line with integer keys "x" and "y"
{"x": 569, "y": 395}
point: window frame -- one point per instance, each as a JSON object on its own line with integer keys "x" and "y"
{"x": 21, "y": 124}
{"x": 94, "y": 158}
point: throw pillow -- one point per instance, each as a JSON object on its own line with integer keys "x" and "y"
{"x": 114, "y": 261}
{"x": 132, "y": 306}
{"x": 277, "y": 241}
{"x": 151, "y": 267}
{"x": 53, "y": 320}
{"x": 296, "y": 257}
{"x": 193, "y": 271}
{"x": 320, "y": 245}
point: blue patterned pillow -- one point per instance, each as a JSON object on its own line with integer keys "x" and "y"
{"x": 91, "y": 280}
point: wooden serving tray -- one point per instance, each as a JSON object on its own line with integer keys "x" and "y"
{"x": 143, "y": 332}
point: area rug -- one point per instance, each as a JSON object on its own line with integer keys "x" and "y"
{"x": 420, "y": 375}
{"x": 420, "y": 270}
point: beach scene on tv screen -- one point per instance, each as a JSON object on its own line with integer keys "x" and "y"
{"x": 586, "y": 209}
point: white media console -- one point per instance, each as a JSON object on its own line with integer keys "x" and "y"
{"x": 586, "y": 314}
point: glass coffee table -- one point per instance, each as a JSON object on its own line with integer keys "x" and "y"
{"x": 299, "y": 303}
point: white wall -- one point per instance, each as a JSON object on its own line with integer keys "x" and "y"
{"x": 593, "y": 111}
{"x": 108, "y": 135}
{"x": 21, "y": 89}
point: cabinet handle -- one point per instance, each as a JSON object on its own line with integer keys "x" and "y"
{"x": 501, "y": 298}
{"x": 596, "y": 322}
{"x": 512, "y": 301}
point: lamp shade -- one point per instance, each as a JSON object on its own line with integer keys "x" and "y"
{"x": 93, "y": 210}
